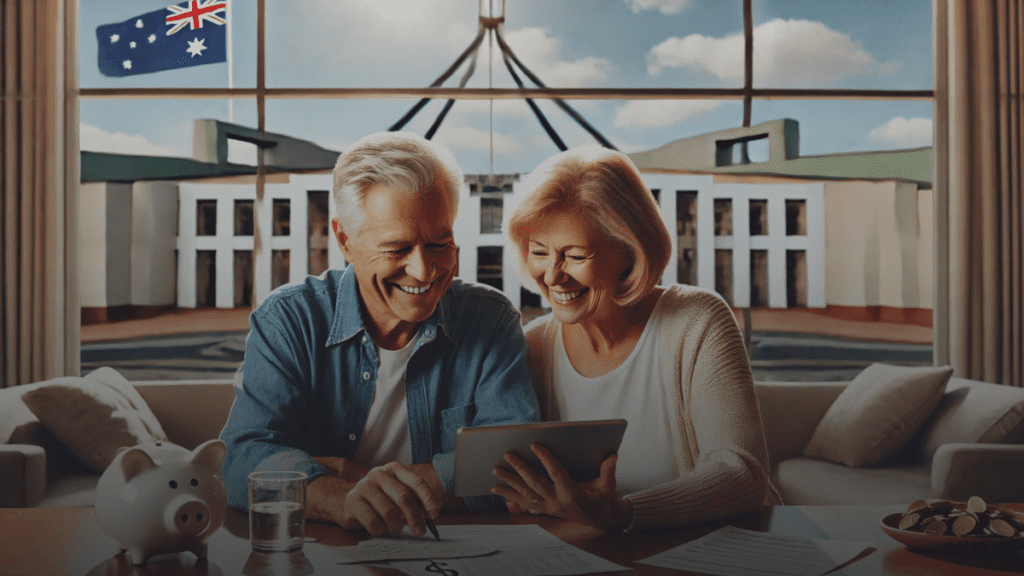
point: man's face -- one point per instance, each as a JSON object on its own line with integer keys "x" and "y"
{"x": 404, "y": 259}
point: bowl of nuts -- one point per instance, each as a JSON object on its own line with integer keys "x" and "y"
{"x": 956, "y": 526}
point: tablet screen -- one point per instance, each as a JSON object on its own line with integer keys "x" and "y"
{"x": 580, "y": 446}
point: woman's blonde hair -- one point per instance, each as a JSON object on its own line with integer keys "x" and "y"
{"x": 605, "y": 188}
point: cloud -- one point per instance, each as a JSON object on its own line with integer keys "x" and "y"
{"x": 661, "y": 113}
{"x": 663, "y": 6}
{"x": 381, "y": 33}
{"x": 99, "y": 140}
{"x": 906, "y": 132}
{"x": 787, "y": 53}
{"x": 542, "y": 55}
{"x": 469, "y": 138}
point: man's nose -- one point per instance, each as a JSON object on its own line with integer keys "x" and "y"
{"x": 418, "y": 265}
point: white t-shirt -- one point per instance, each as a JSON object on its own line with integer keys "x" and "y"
{"x": 386, "y": 434}
{"x": 632, "y": 391}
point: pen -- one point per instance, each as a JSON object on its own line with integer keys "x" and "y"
{"x": 433, "y": 529}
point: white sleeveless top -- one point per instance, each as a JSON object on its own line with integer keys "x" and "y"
{"x": 633, "y": 391}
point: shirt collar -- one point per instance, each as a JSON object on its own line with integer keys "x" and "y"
{"x": 348, "y": 317}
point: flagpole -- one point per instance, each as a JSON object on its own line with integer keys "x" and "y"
{"x": 231, "y": 70}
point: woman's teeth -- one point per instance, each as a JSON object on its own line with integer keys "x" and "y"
{"x": 564, "y": 297}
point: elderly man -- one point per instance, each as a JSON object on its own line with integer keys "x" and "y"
{"x": 360, "y": 377}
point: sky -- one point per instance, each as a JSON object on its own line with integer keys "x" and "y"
{"x": 876, "y": 44}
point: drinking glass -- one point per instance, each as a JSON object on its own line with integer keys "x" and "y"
{"x": 277, "y": 511}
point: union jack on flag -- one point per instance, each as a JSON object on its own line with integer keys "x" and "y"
{"x": 190, "y": 33}
{"x": 195, "y": 13}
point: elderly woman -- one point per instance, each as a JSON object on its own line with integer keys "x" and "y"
{"x": 668, "y": 360}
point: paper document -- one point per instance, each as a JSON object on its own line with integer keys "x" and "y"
{"x": 526, "y": 550}
{"x": 732, "y": 551}
{"x": 384, "y": 549}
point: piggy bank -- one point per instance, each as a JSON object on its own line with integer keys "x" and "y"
{"x": 161, "y": 498}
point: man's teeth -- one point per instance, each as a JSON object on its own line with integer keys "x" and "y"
{"x": 414, "y": 289}
{"x": 564, "y": 297}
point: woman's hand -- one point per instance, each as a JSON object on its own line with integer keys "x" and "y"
{"x": 596, "y": 502}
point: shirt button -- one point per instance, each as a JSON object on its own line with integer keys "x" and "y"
{"x": 366, "y": 375}
{"x": 352, "y": 437}
{"x": 364, "y": 339}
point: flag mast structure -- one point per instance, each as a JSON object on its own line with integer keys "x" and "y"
{"x": 230, "y": 61}
{"x": 494, "y": 24}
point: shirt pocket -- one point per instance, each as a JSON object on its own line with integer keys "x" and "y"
{"x": 451, "y": 420}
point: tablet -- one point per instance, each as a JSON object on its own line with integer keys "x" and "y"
{"x": 580, "y": 446}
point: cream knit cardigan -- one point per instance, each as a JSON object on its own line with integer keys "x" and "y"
{"x": 715, "y": 421}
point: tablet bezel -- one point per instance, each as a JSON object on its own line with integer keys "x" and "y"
{"x": 580, "y": 446}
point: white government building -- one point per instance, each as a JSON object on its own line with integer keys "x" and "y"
{"x": 848, "y": 232}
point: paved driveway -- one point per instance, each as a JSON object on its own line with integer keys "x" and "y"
{"x": 774, "y": 356}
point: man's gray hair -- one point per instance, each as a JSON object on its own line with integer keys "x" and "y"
{"x": 399, "y": 160}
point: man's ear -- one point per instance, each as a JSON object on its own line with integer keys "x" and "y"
{"x": 340, "y": 237}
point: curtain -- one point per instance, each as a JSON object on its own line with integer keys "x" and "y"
{"x": 39, "y": 311}
{"x": 979, "y": 125}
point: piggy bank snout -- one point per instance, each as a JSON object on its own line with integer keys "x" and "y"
{"x": 187, "y": 514}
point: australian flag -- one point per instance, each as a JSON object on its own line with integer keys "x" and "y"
{"x": 187, "y": 34}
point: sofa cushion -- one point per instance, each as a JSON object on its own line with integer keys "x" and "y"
{"x": 94, "y": 416}
{"x": 877, "y": 413}
{"x": 975, "y": 413}
{"x": 74, "y": 491}
{"x": 809, "y": 481}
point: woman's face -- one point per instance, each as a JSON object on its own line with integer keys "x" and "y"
{"x": 577, "y": 268}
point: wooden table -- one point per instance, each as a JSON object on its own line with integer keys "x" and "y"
{"x": 67, "y": 541}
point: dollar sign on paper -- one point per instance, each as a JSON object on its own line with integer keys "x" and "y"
{"x": 439, "y": 568}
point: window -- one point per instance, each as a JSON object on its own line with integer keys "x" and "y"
{"x": 280, "y": 267}
{"x": 490, "y": 215}
{"x": 206, "y": 218}
{"x": 243, "y": 278}
{"x": 206, "y": 278}
{"x": 686, "y": 237}
{"x": 243, "y": 217}
{"x": 796, "y": 218}
{"x": 319, "y": 224}
{"x": 759, "y": 217}
{"x": 489, "y": 266}
{"x": 871, "y": 91}
{"x": 282, "y": 217}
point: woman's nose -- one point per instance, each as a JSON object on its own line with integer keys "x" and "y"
{"x": 553, "y": 273}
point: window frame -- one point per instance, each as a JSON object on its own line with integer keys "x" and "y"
{"x": 937, "y": 96}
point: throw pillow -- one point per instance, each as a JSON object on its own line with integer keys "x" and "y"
{"x": 95, "y": 416}
{"x": 976, "y": 413}
{"x": 877, "y": 413}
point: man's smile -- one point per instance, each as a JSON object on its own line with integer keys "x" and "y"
{"x": 414, "y": 289}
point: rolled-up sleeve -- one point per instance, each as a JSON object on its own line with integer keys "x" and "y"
{"x": 266, "y": 427}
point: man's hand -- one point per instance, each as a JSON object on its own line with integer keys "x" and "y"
{"x": 343, "y": 468}
{"x": 385, "y": 498}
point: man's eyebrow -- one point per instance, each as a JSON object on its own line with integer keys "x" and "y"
{"x": 392, "y": 243}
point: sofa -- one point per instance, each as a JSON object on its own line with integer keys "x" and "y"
{"x": 36, "y": 469}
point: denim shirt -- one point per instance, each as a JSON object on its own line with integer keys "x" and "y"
{"x": 305, "y": 386}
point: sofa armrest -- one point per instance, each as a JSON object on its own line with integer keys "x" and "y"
{"x": 991, "y": 471}
{"x": 22, "y": 475}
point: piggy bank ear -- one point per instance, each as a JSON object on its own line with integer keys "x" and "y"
{"x": 210, "y": 453}
{"x": 134, "y": 462}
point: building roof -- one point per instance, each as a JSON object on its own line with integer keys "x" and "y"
{"x": 280, "y": 153}
{"x": 712, "y": 153}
